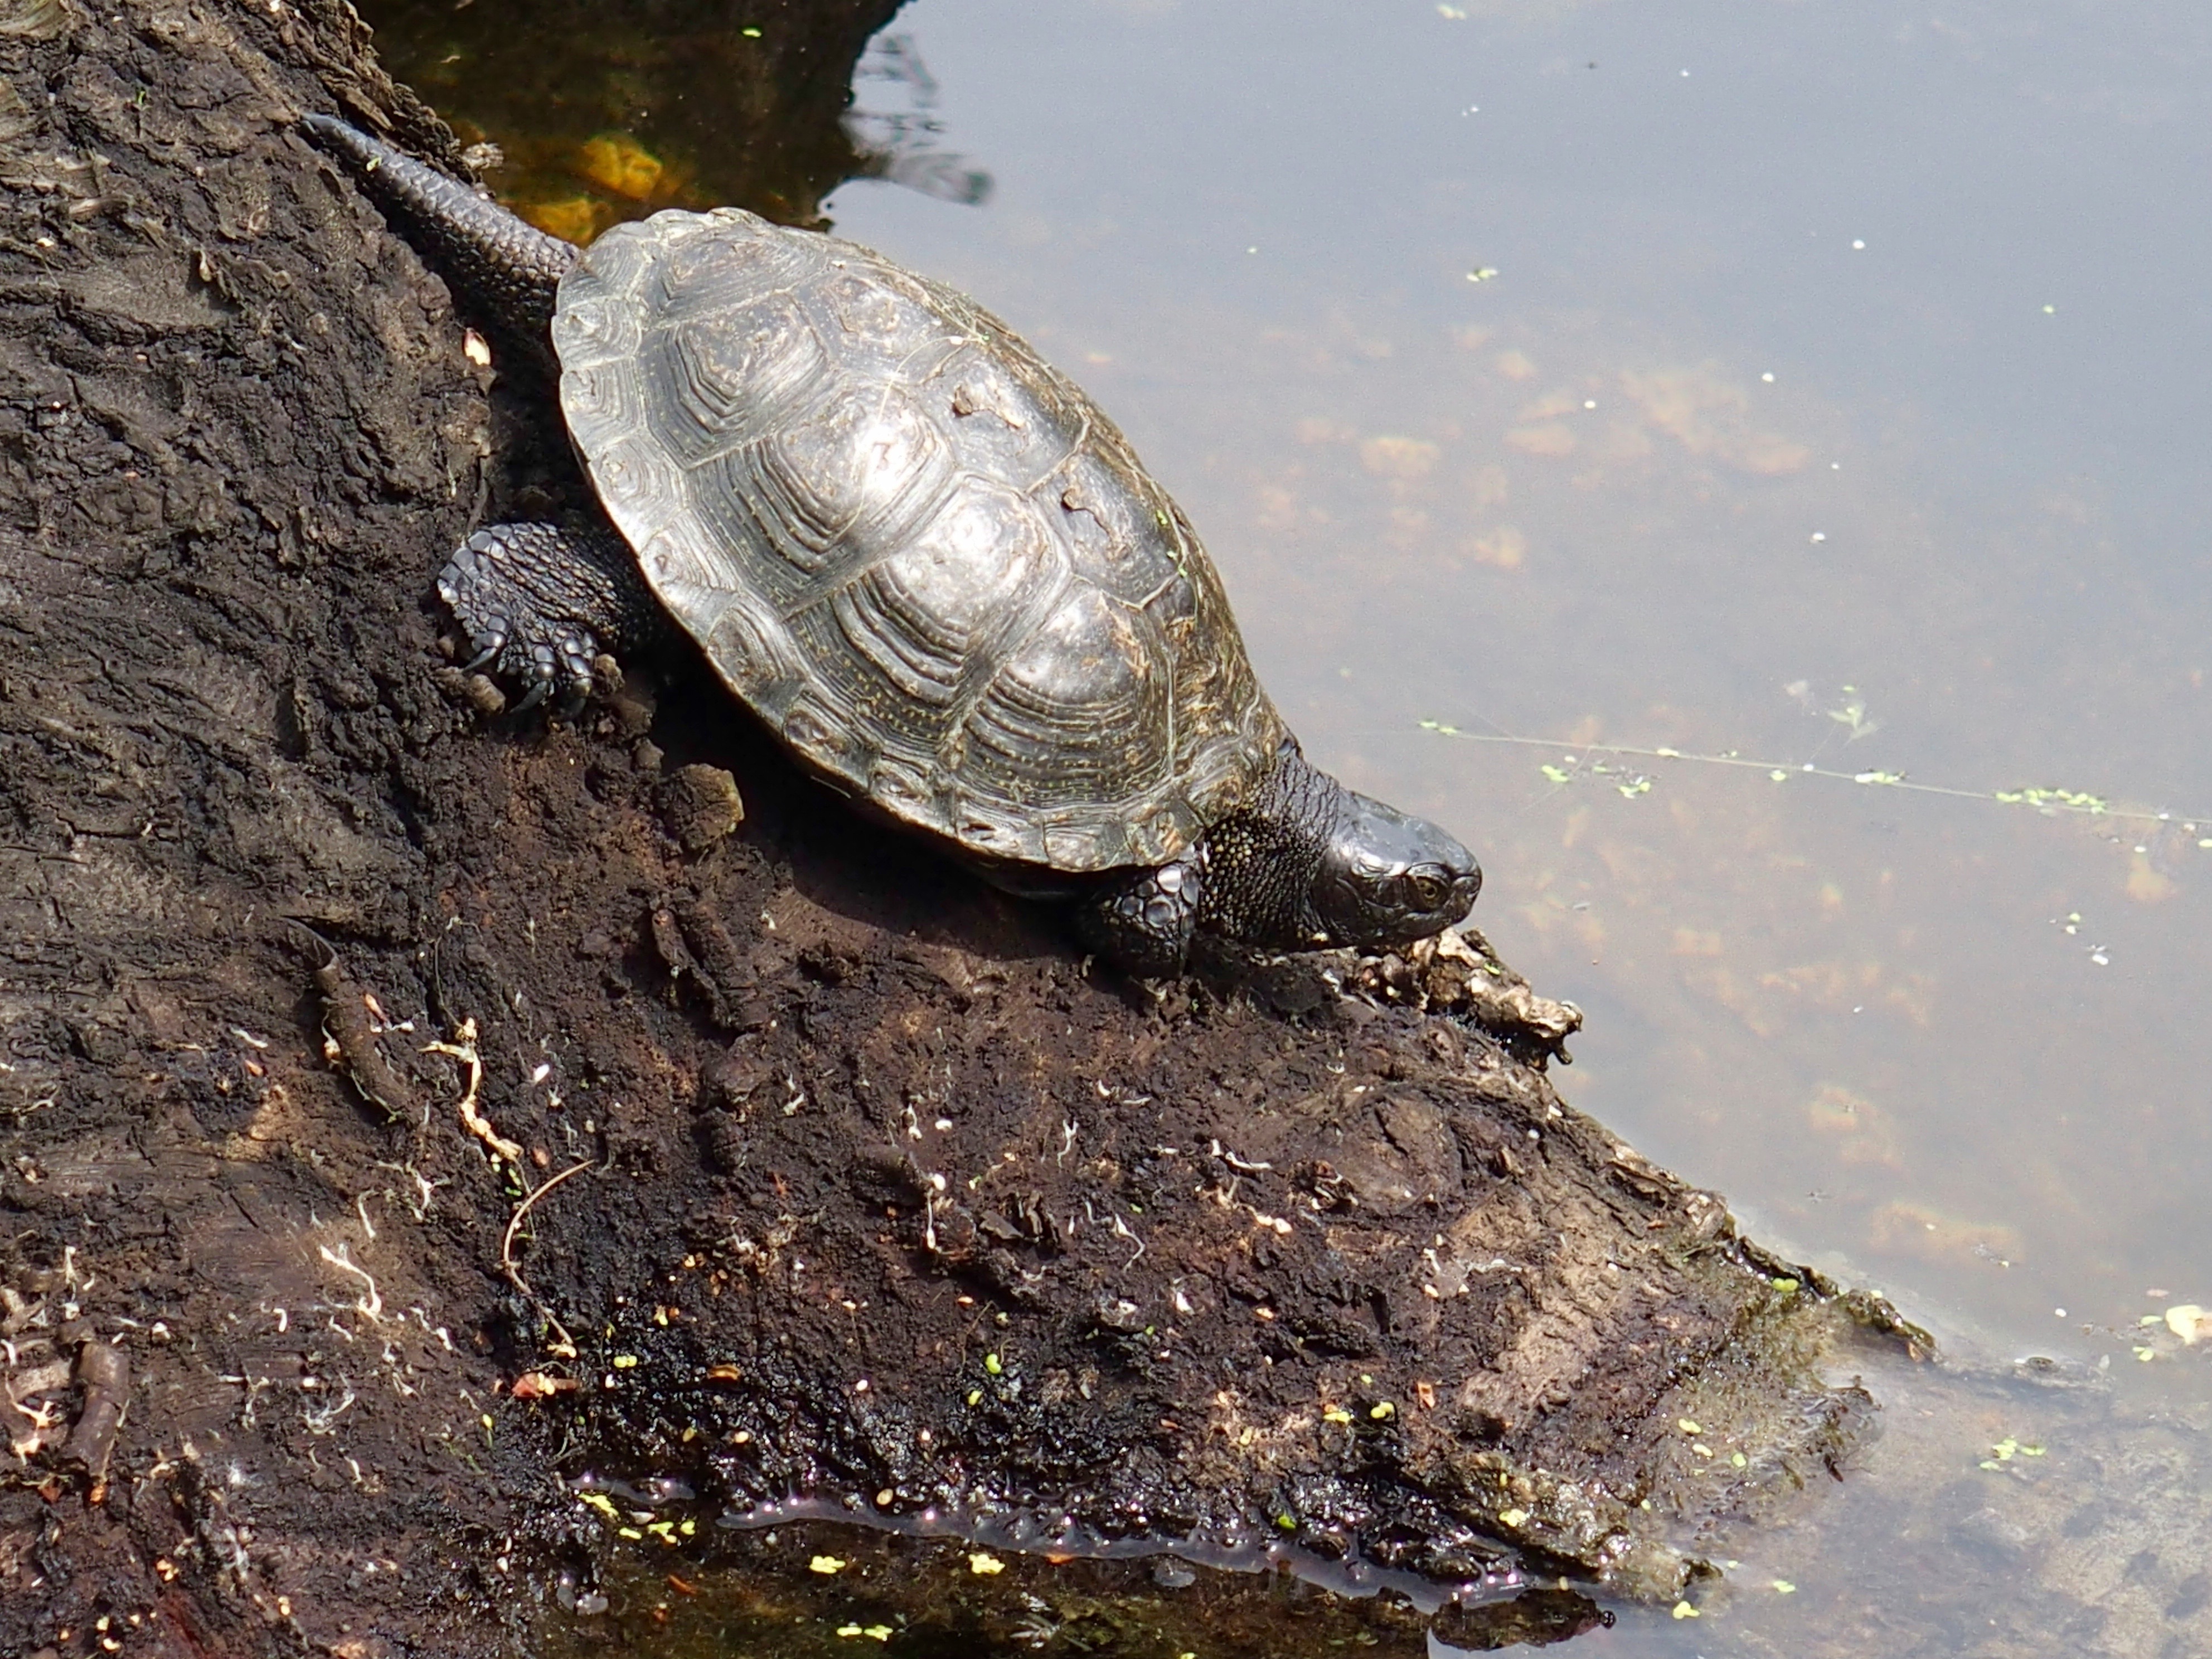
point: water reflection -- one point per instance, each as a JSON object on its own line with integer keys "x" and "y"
{"x": 586, "y": 114}
{"x": 1788, "y": 384}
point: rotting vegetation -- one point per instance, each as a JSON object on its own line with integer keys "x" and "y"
{"x": 411, "y": 1111}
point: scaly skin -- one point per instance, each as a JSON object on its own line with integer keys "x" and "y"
{"x": 506, "y": 272}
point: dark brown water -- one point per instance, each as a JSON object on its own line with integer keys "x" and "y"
{"x": 1719, "y": 458}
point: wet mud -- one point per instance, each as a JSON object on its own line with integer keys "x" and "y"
{"x": 463, "y": 1174}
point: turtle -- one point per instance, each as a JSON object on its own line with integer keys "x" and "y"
{"x": 923, "y": 558}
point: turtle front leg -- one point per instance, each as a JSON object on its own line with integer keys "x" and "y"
{"x": 1143, "y": 920}
{"x": 539, "y": 603}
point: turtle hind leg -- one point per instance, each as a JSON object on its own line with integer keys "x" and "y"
{"x": 1143, "y": 920}
{"x": 505, "y": 269}
{"x": 540, "y": 602}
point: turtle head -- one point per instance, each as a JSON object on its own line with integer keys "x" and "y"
{"x": 1307, "y": 865}
{"x": 1310, "y": 865}
{"x": 1387, "y": 877}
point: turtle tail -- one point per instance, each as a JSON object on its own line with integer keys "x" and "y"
{"x": 502, "y": 269}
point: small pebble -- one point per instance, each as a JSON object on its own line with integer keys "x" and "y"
{"x": 702, "y": 804}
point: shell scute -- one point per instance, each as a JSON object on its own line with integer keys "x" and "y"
{"x": 603, "y": 327}
{"x": 999, "y": 426}
{"x": 932, "y": 606}
{"x": 1078, "y": 709}
{"x": 860, "y": 470}
{"x": 733, "y": 374}
{"x": 1116, "y": 534}
{"x": 888, "y": 326}
{"x": 698, "y": 264}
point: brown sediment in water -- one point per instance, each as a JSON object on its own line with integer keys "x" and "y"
{"x": 784, "y": 1159}
{"x": 661, "y": 103}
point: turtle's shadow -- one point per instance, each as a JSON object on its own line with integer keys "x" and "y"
{"x": 850, "y": 863}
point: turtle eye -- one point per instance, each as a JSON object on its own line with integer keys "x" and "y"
{"x": 1428, "y": 887}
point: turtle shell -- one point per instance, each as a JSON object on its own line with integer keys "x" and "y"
{"x": 911, "y": 546}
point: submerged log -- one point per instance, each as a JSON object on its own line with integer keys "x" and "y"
{"x": 449, "y": 1154}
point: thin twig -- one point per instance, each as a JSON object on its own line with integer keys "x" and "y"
{"x": 507, "y": 1251}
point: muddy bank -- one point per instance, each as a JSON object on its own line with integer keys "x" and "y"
{"x": 410, "y": 1110}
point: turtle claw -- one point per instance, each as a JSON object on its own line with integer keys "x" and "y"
{"x": 573, "y": 698}
{"x": 497, "y": 643}
{"x": 563, "y": 663}
{"x": 541, "y": 673}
